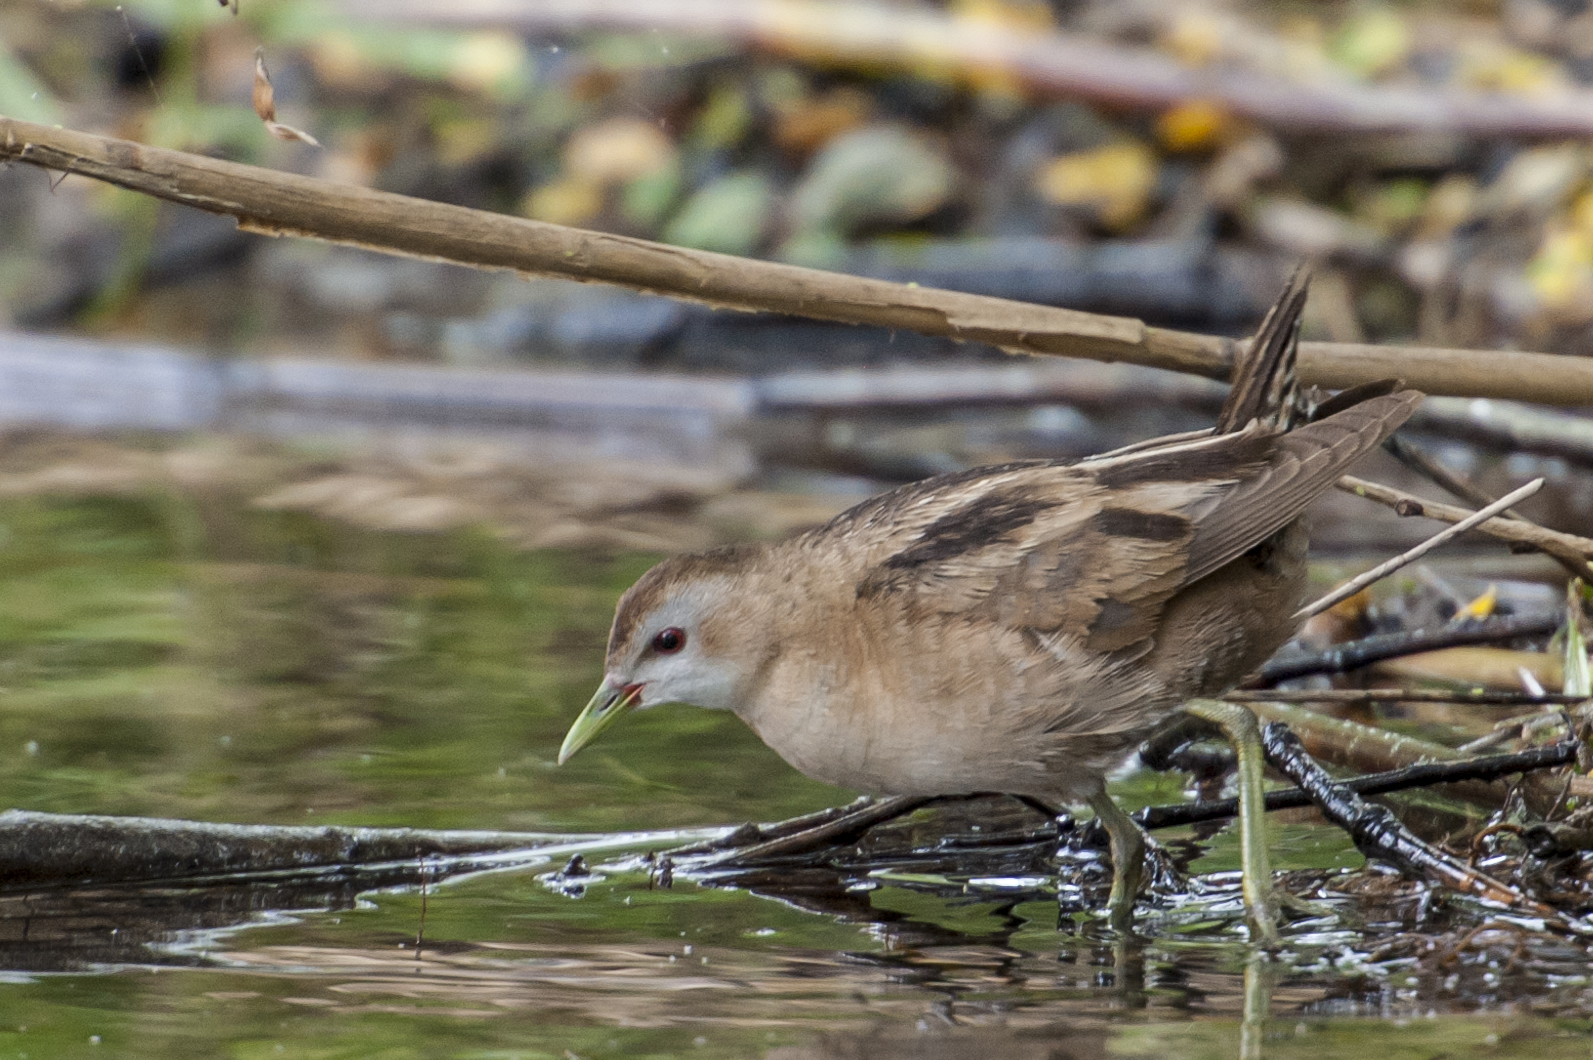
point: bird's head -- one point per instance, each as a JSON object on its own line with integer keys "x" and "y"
{"x": 686, "y": 632}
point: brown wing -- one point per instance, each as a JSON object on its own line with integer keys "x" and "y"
{"x": 1305, "y": 463}
{"x": 1096, "y": 549}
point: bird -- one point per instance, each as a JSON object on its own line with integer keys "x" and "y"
{"x": 1019, "y": 628}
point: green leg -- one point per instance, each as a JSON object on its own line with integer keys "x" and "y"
{"x": 1128, "y": 859}
{"x": 1241, "y": 728}
{"x": 1258, "y": 1005}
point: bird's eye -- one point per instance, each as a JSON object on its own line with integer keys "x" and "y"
{"x": 669, "y": 641}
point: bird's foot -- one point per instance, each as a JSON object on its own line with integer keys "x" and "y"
{"x": 1304, "y": 906}
{"x": 1164, "y": 876}
{"x": 1262, "y": 914}
{"x": 1128, "y": 845}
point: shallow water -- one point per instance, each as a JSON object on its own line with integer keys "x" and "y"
{"x": 194, "y": 658}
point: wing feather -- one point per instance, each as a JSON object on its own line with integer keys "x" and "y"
{"x": 1305, "y": 464}
{"x": 1096, "y": 549}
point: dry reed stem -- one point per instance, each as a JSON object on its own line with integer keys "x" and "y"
{"x": 275, "y": 203}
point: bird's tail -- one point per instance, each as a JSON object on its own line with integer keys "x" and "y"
{"x": 1264, "y": 384}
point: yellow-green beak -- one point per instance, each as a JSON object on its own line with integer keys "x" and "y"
{"x": 607, "y": 705}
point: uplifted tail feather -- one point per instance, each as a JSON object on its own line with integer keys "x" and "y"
{"x": 1264, "y": 384}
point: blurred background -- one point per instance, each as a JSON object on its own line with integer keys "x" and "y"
{"x": 1169, "y": 161}
{"x": 292, "y": 532}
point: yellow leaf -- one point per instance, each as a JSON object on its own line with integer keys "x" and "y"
{"x": 1562, "y": 269}
{"x": 1116, "y": 181}
{"x": 1373, "y": 42}
{"x": 1195, "y": 38}
{"x": 1500, "y": 68}
{"x": 485, "y": 61}
{"x": 1010, "y": 14}
{"x": 1482, "y": 606}
{"x": 1582, "y": 212}
{"x": 567, "y": 201}
{"x": 1194, "y": 125}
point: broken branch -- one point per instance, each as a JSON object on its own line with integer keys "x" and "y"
{"x": 1516, "y": 530}
{"x": 1424, "y": 775}
{"x": 1376, "y": 831}
{"x": 274, "y": 203}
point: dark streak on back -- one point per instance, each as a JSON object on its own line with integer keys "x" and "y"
{"x": 984, "y": 521}
{"x": 1150, "y": 526}
{"x": 883, "y": 508}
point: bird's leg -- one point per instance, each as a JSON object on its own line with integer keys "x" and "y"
{"x": 1258, "y": 1006}
{"x": 1241, "y": 728}
{"x": 1128, "y": 859}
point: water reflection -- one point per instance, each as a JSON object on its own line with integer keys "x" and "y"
{"x": 902, "y": 971}
{"x": 198, "y": 658}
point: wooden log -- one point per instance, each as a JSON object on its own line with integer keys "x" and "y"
{"x": 48, "y": 849}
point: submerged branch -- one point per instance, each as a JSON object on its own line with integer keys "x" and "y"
{"x": 49, "y": 850}
{"x": 834, "y": 830}
{"x": 276, "y": 203}
{"x": 1352, "y": 655}
{"x": 38, "y": 849}
{"x": 1376, "y": 831}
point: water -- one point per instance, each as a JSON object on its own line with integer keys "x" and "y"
{"x": 192, "y": 657}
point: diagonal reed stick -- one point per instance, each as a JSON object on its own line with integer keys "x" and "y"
{"x": 1383, "y": 570}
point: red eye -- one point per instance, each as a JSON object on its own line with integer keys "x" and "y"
{"x": 669, "y": 641}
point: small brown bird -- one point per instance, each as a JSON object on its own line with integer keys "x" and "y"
{"x": 1017, "y": 628}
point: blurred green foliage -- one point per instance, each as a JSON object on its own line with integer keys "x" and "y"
{"x": 163, "y": 657}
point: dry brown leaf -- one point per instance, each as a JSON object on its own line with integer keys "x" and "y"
{"x": 265, "y": 105}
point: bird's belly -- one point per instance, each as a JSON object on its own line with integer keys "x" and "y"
{"x": 958, "y": 749}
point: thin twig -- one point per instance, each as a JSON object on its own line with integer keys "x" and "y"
{"x": 1401, "y": 695}
{"x": 1422, "y": 462}
{"x": 836, "y": 830}
{"x": 1521, "y": 727}
{"x": 1354, "y": 654}
{"x": 1418, "y": 459}
{"x": 1383, "y": 570}
{"x": 1423, "y": 775}
{"x": 1514, "y": 530}
{"x": 749, "y": 833}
